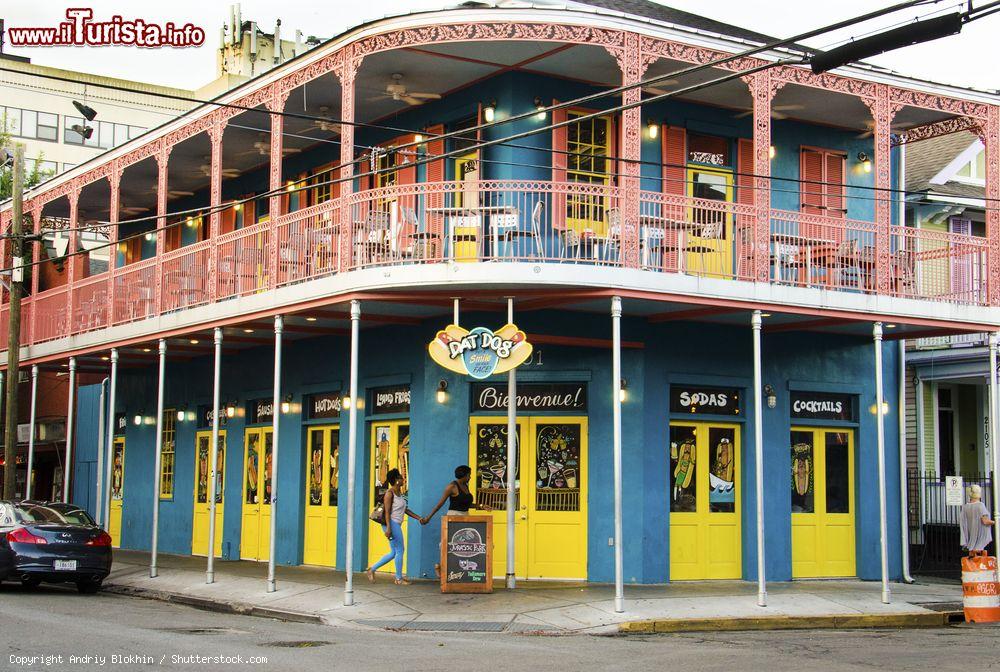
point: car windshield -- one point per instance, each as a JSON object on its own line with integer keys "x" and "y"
{"x": 40, "y": 513}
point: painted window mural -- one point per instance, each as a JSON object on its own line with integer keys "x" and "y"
{"x": 803, "y": 496}
{"x": 491, "y": 465}
{"x": 333, "y": 485}
{"x": 316, "y": 468}
{"x": 204, "y": 458}
{"x": 558, "y": 467}
{"x": 683, "y": 455}
{"x": 250, "y": 495}
{"x": 721, "y": 474}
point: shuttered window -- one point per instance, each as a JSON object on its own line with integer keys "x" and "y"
{"x": 823, "y": 191}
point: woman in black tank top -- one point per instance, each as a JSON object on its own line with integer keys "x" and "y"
{"x": 459, "y": 498}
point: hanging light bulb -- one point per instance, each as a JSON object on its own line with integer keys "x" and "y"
{"x": 653, "y": 129}
{"x": 540, "y": 106}
{"x": 489, "y": 111}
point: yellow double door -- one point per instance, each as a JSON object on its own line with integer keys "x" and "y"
{"x": 390, "y": 449}
{"x": 822, "y": 497}
{"x": 322, "y": 488}
{"x": 255, "y": 528}
{"x": 550, "y": 522}
{"x": 202, "y": 504}
{"x": 117, "y": 487}
{"x": 704, "y": 493}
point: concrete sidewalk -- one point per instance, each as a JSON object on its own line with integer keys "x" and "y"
{"x": 316, "y": 595}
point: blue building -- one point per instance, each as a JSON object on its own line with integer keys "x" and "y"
{"x": 574, "y": 166}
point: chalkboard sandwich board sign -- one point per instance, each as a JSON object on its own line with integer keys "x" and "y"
{"x": 467, "y": 554}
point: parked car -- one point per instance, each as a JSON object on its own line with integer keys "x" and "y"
{"x": 52, "y": 542}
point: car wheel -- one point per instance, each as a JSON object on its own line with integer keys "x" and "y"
{"x": 30, "y": 582}
{"x": 88, "y": 587}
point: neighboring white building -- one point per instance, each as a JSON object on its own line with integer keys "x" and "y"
{"x": 38, "y": 110}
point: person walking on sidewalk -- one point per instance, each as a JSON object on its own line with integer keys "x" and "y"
{"x": 394, "y": 505}
{"x": 975, "y": 522}
{"x": 459, "y": 499}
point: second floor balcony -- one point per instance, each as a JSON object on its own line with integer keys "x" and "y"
{"x": 780, "y": 179}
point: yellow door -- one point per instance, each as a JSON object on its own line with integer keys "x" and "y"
{"x": 704, "y": 501}
{"x": 117, "y": 486}
{"x": 202, "y": 505}
{"x": 390, "y": 450}
{"x": 488, "y": 459}
{"x": 709, "y": 244}
{"x": 322, "y": 484}
{"x": 822, "y": 503}
{"x": 255, "y": 528}
{"x": 550, "y": 524}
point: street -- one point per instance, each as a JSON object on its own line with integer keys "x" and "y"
{"x": 40, "y": 626}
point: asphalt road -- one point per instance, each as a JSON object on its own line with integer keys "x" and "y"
{"x": 37, "y": 627}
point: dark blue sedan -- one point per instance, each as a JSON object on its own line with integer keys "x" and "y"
{"x": 52, "y": 542}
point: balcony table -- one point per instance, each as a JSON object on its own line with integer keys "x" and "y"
{"x": 796, "y": 243}
{"x": 502, "y": 218}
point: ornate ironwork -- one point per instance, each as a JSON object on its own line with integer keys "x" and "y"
{"x": 631, "y": 63}
{"x": 883, "y": 110}
{"x": 939, "y": 128}
{"x": 346, "y": 72}
{"x": 991, "y": 139}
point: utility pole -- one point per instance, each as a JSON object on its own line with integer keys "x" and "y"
{"x": 14, "y": 326}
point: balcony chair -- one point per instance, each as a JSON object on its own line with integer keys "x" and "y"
{"x": 904, "y": 277}
{"x": 292, "y": 257}
{"x": 709, "y": 231}
{"x": 422, "y": 244}
{"x": 787, "y": 257}
{"x": 845, "y": 260}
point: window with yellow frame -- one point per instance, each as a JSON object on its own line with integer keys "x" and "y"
{"x": 167, "y": 454}
{"x": 589, "y": 161}
{"x": 386, "y": 174}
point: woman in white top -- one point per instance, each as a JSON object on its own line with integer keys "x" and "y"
{"x": 975, "y": 521}
{"x": 394, "y": 505}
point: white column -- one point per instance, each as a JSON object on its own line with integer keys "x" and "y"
{"x": 993, "y": 438}
{"x": 352, "y": 444}
{"x": 512, "y": 441}
{"x": 68, "y": 469}
{"x": 213, "y": 465}
{"x": 109, "y": 447}
{"x": 758, "y": 448}
{"x": 616, "y": 407}
{"x": 157, "y": 458}
{"x": 279, "y": 327}
{"x": 31, "y": 438}
{"x": 880, "y": 427}
{"x": 98, "y": 494}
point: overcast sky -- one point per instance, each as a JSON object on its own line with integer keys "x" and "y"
{"x": 968, "y": 59}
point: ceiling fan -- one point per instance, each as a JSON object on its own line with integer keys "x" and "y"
{"x": 206, "y": 169}
{"x": 174, "y": 193}
{"x": 658, "y": 90}
{"x": 322, "y": 125}
{"x": 263, "y": 148}
{"x": 397, "y": 91}
{"x": 777, "y": 111}
{"x": 870, "y": 130}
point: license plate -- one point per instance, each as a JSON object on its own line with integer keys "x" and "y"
{"x": 69, "y": 565}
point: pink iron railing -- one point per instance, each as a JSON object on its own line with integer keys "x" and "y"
{"x": 517, "y": 221}
{"x": 308, "y": 243}
{"x": 185, "y": 277}
{"x": 90, "y": 303}
{"x": 135, "y": 292}
{"x": 243, "y": 261}
{"x": 939, "y": 265}
{"x": 51, "y": 320}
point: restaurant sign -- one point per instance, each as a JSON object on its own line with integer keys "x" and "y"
{"x": 323, "y": 405}
{"x": 696, "y": 400}
{"x": 121, "y": 424}
{"x": 822, "y": 406}
{"x": 206, "y": 412}
{"x": 260, "y": 410}
{"x": 531, "y": 397}
{"x": 393, "y": 399}
{"x": 480, "y": 353}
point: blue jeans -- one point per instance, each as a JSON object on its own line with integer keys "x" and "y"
{"x": 395, "y": 550}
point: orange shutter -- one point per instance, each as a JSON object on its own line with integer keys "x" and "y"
{"x": 674, "y": 160}
{"x": 435, "y": 173}
{"x": 745, "y": 168}
{"x": 811, "y": 186}
{"x": 836, "y": 205}
{"x": 560, "y": 161}
{"x": 227, "y": 220}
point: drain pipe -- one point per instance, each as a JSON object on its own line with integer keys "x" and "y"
{"x": 904, "y": 514}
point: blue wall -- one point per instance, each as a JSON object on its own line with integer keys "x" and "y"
{"x": 679, "y": 353}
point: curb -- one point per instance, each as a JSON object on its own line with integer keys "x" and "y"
{"x": 216, "y": 606}
{"x": 844, "y": 621}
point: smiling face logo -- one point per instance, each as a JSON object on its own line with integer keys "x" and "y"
{"x": 480, "y": 353}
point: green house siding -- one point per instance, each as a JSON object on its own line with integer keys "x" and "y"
{"x": 930, "y": 422}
